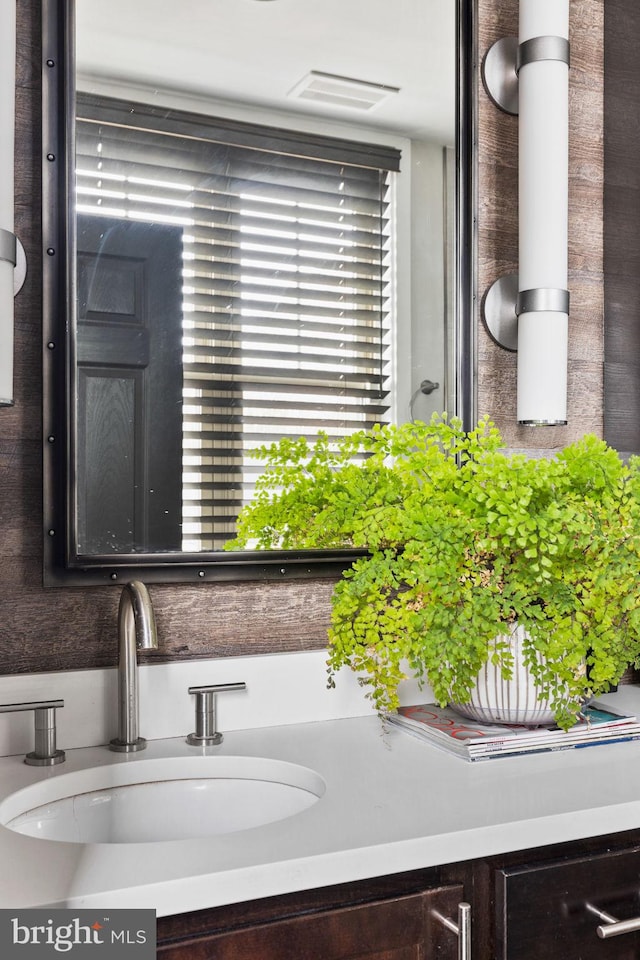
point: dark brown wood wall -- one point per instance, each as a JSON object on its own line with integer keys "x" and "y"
{"x": 622, "y": 225}
{"x": 55, "y": 629}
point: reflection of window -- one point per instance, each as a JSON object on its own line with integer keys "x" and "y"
{"x": 287, "y": 281}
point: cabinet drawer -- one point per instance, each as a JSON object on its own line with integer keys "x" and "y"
{"x": 397, "y": 928}
{"x": 546, "y": 910}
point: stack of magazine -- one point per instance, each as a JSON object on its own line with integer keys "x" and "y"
{"x": 446, "y": 728}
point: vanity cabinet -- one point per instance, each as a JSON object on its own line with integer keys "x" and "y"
{"x": 388, "y": 919}
{"x": 539, "y": 904}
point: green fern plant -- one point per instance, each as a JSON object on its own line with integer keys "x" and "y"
{"x": 462, "y": 540}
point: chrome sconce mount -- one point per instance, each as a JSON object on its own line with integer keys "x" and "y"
{"x": 505, "y": 58}
{"x": 11, "y": 254}
{"x": 12, "y": 251}
{"x": 503, "y": 303}
{"x": 500, "y": 74}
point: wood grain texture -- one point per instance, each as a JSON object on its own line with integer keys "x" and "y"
{"x": 319, "y": 925}
{"x": 622, "y": 292}
{"x": 623, "y": 404}
{"x": 57, "y": 629}
{"x": 236, "y": 916}
{"x": 498, "y": 229}
{"x": 621, "y": 239}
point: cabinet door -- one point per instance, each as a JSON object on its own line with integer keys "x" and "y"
{"x": 402, "y": 928}
{"x": 549, "y": 909}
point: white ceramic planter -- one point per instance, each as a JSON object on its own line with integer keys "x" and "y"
{"x": 518, "y": 700}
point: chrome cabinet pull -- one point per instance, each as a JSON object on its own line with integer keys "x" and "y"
{"x": 611, "y": 926}
{"x": 462, "y": 929}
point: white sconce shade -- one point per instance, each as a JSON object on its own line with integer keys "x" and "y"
{"x": 543, "y": 214}
{"x": 530, "y": 312}
{"x": 7, "y": 239}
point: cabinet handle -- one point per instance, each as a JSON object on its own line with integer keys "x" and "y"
{"x": 611, "y": 927}
{"x": 462, "y": 929}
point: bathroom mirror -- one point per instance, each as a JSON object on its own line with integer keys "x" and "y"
{"x": 258, "y": 222}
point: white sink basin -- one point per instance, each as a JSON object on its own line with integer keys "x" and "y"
{"x": 176, "y": 798}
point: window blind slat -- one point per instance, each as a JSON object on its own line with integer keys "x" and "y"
{"x": 219, "y": 325}
{"x": 265, "y": 280}
{"x": 222, "y": 304}
{"x": 250, "y": 294}
{"x": 363, "y": 390}
{"x": 224, "y": 170}
{"x": 351, "y": 253}
{"x": 231, "y": 261}
{"x": 202, "y": 191}
{"x": 258, "y": 374}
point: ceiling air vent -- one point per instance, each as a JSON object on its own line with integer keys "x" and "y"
{"x": 341, "y": 91}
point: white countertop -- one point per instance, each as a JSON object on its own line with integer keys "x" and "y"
{"x": 392, "y": 803}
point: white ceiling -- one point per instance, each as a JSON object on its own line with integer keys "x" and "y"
{"x": 254, "y": 51}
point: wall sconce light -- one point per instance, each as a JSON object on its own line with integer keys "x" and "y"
{"x": 529, "y": 312}
{"x": 12, "y": 259}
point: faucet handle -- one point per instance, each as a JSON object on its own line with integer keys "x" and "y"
{"x": 45, "y": 753}
{"x": 206, "y": 733}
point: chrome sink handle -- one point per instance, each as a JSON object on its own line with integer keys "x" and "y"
{"x": 44, "y": 753}
{"x": 205, "y": 732}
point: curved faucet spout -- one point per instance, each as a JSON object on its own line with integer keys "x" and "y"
{"x": 136, "y": 611}
{"x": 136, "y": 630}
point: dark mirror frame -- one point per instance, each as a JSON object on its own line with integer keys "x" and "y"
{"x": 62, "y": 565}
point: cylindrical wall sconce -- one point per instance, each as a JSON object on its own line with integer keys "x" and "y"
{"x": 11, "y": 252}
{"x": 530, "y": 313}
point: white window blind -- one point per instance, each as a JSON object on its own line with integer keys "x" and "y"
{"x": 287, "y": 297}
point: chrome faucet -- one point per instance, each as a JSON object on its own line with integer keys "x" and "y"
{"x": 136, "y": 630}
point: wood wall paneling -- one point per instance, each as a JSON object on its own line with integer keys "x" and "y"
{"x": 622, "y": 225}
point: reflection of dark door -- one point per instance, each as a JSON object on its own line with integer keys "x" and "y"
{"x": 129, "y": 363}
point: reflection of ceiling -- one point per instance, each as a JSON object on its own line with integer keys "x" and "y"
{"x": 194, "y": 46}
